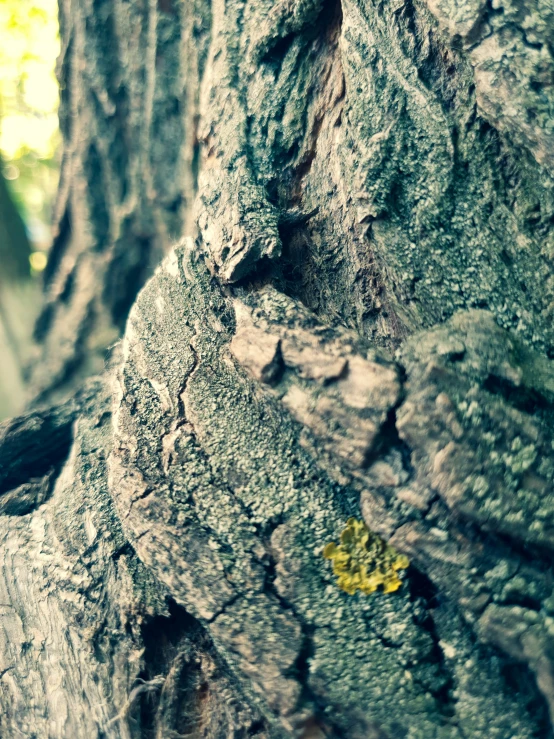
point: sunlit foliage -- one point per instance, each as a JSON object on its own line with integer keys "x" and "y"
{"x": 29, "y": 136}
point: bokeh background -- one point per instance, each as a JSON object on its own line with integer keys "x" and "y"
{"x": 29, "y": 166}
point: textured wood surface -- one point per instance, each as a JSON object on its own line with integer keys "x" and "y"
{"x": 358, "y": 324}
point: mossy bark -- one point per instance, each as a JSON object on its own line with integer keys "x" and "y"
{"x": 357, "y": 323}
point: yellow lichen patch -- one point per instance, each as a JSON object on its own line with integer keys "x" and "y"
{"x": 363, "y": 561}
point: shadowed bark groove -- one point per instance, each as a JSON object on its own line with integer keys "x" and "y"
{"x": 358, "y": 324}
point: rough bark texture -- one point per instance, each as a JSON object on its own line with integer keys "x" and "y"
{"x": 129, "y": 78}
{"x": 358, "y": 325}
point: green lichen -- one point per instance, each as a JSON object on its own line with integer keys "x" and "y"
{"x": 363, "y": 561}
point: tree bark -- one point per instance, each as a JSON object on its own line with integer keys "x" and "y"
{"x": 357, "y": 325}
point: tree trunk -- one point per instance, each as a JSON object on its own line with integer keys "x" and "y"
{"x": 354, "y": 335}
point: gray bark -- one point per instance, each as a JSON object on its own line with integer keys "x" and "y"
{"x": 358, "y": 323}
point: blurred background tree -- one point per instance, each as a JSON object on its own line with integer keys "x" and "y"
{"x": 29, "y": 164}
